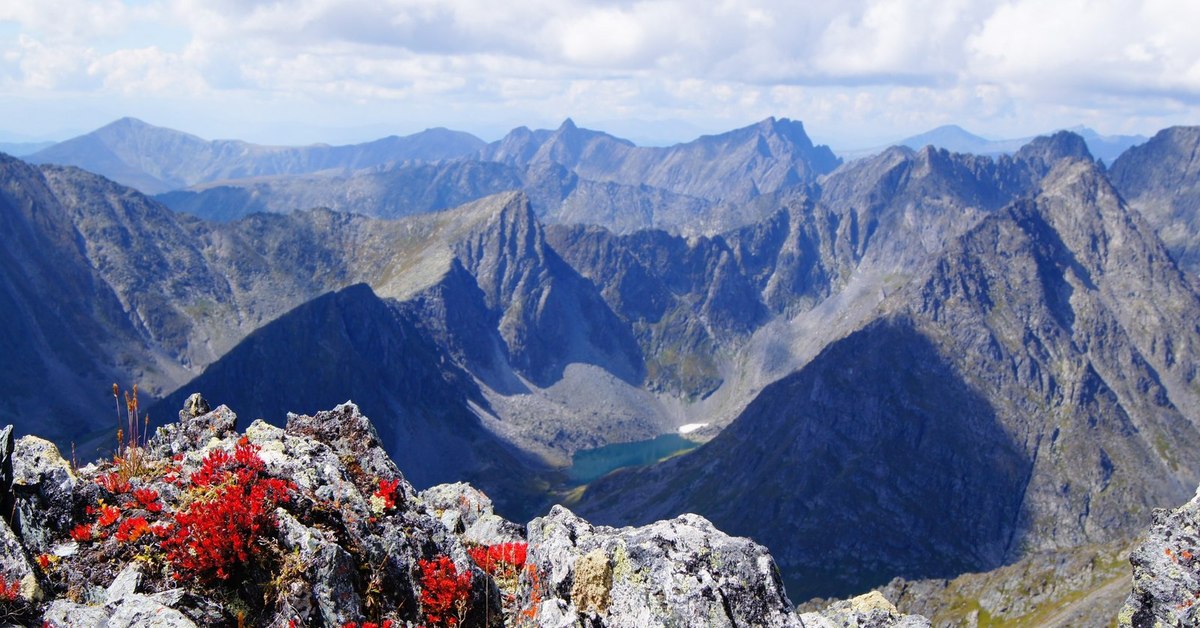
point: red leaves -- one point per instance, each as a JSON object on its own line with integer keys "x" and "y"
{"x": 82, "y": 533}
{"x": 113, "y": 483}
{"x": 132, "y": 529}
{"x": 384, "y": 497}
{"x": 148, "y": 499}
{"x": 213, "y": 538}
{"x": 443, "y": 590}
{"x": 9, "y": 592}
{"x": 503, "y": 559}
{"x": 108, "y": 516}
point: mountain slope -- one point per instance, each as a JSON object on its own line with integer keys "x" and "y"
{"x": 384, "y": 192}
{"x": 1161, "y": 179}
{"x": 155, "y": 159}
{"x": 770, "y": 156}
{"x": 1023, "y": 381}
{"x": 352, "y": 345}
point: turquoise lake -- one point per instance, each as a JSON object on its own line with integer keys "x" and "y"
{"x": 590, "y": 464}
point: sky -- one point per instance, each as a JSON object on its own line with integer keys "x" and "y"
{"x": 857, "y": 73}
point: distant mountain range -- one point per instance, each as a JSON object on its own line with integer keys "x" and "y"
{"x": 20, "y": 149}
{"x": 922, "y": 362}
{"x": 155, "y": 159}
{"x": 958, "y": 140}
{"x": 571, "y": 175}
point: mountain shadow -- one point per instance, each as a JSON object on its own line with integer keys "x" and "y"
{"x": 876, "y": 460}
{"x": 353, "y": 345}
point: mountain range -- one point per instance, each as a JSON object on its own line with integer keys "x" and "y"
{"x": 155, "y": 159}
{"x": 923, "y": 362}
{"x": 959, "y": 140}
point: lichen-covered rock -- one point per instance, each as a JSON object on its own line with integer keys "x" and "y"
{"x": 870, "y": 610}
{"x": 43, "y": 486}
{"x": 468, "y": 512}
{"x": 197, "y": 426}
{"x": 330, "y": 573}
{"x": 1166, "y": 572}
{"x": 682, "y": 572}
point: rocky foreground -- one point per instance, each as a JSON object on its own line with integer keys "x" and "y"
{"x": 314, "y": 525}
{"x": 1166, "y": 572}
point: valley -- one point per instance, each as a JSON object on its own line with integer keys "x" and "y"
{"x": 917, "y": 364}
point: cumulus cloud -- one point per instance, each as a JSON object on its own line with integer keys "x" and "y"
{"x": 882, "y": 67}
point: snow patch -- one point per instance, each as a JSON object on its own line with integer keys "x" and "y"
{"x": 691, "y": 427}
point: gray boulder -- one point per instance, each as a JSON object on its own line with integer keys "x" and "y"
{"x": 870, "y": 610}
{"x": 43, "y": 487}
{"x": 682, "y": 572}
{"x": 467, "y": 511}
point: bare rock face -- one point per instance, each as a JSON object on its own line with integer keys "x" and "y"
{"x": 682, "y": 572}
{"x": 1161, "y": 179}
{"x": 1166, "y": 572}
{"x": 870, "y": 610}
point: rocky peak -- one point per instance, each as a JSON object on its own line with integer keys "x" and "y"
{"x": 1045, "y": 151}
{"x": 1161, "y": 179}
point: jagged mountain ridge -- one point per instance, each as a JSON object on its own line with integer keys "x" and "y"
{"x": 571, "y": 175}
{"x": 1161, "y": 179}
{"x": 958, "y": 140}
{"x": 156, "y": 159}
{"x": 1069, "y": 394}
{"x": 733, "y": 166}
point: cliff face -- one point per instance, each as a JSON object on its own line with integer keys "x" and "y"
{"x": 313, "y": 524}
{"x": 1161, "y": 179}
{"x": 1036, "y": 378}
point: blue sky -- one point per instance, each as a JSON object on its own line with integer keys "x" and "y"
{"x": 856, "y": 72}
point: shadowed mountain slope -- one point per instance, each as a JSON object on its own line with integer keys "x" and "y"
{"x": 1023, "y": 370}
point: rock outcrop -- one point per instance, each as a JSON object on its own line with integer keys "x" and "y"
{"x": 1166, "y": 572}
{"x": 313, "y": 524}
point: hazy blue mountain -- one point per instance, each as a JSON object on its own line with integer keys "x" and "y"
{"x": 20, "y": 149}
{"x": 571, "y": 175}
{"x": 1161, "y": 179}
{"x": 733, "y": 166}
{"x": 956, "y": 139}
{"x": 1107, "y": 148}
{"x": 156, "y": 159}
{"x": 385, "y": 192}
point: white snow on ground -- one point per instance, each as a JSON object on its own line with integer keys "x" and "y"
{"x": 691, "y": 427}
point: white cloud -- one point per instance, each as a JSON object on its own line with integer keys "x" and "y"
{"x": 860, "y": 68}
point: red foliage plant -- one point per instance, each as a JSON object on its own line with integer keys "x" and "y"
{"x": 385, "y": 495}
{"x": 148, "y": 499}
{"x": 215, "y": 536}
{"x": 113, "y": 483}
{"x": 132, "y": 529}
{"x": 82, "y": 532}
{"x": 444, "y": 591}
{"x": 503, "y": 559}
{"x": 108, "y": 516}
{"x": 9, "y": 591}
